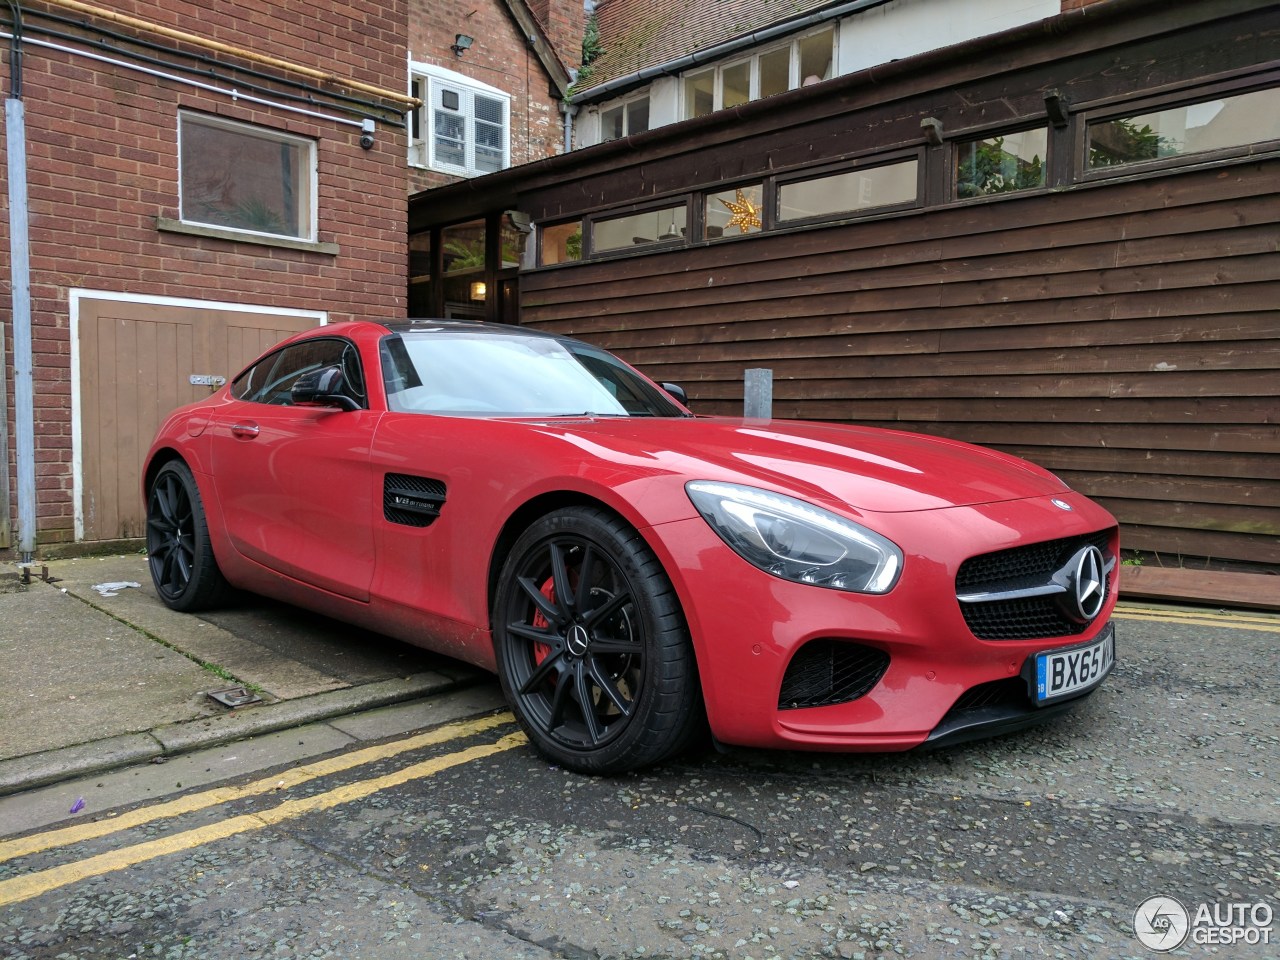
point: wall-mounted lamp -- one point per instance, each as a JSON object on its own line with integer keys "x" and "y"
{"x": 461, "y": 44}
{"x": 478, "y": 290}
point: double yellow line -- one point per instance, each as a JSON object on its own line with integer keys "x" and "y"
{"x": 27, "y": 886}
{"x": 1199, "y": 618}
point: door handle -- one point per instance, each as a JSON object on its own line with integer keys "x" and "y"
{"x": 247, "y": 430}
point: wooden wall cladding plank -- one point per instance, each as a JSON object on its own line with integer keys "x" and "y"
{"x": 1126, "y": 335}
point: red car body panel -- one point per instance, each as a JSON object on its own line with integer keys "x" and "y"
{"x": 293, "y": 496}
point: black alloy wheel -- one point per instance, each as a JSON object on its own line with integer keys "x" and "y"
{"x": 592, "y": 647}
{"x": 183, "y": 568}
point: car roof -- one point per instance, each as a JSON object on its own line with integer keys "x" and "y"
{"x": 432, "y": 325}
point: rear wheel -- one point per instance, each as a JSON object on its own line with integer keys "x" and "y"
{"x": 592, "y": 647}
{"x": 183, "y": 568}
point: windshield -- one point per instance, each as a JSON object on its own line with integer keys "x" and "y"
{"x": 460, "y": 373}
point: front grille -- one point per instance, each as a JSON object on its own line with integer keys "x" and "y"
{"x": 826, "y": 672}
{"x": 1024, "y": 618}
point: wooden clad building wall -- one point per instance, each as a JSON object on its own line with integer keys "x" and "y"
{"x": 1127, "y": 338}
{"x": 1123, "y": 332}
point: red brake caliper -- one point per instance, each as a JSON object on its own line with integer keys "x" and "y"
{"x": 541, "y": 650}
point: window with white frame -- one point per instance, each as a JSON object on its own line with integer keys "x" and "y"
{"x": 625, "y": 119}
{"x": 462, "y": 127}
{"x": 238, "y": 176}
{"x": 799, "y": 62}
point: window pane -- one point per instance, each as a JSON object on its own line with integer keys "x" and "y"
{"x": 420, "y": 266}
{"x": 239, "y": 177}
{"x": 562, "y": 243}
{"x": 463, "y": 246}
{"x": 511, "y": 245}
{"x": 736, "y": 81}
{"x": 1212, "y": 125}
{"x": 815, "y": 57}
{"x": 775, "y": 71}
{"x": 1001, "y": 164}
{"x": 638, "y": 229}
{"x": 420, "y": 256}
{"x": 489, "y": 135}
{"x": 611, "y": 124}
{"x": 638, "y": 116}
{"x": 451, "y": 138}
{"x": 732, "y": 213}
{"x": 848, "y": 192}
{"x": 699, "y": 93}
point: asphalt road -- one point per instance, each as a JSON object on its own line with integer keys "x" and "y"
{"x": 463, "y": 843}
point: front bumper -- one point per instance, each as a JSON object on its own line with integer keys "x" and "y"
{"x": 747, "y": 626}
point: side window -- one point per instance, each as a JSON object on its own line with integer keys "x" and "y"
{"x": 244, "y": 177}
{"x": 271, "y": 379}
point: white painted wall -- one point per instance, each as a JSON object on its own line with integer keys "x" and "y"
{"x": 894, "y": 31}
{"x": 905, "y": 28}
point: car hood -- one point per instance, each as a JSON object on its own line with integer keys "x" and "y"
{"x": 869, "y": 469}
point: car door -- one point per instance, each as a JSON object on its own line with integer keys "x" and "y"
{"x": 294, "y": 482}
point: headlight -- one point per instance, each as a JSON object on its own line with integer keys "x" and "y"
{"x": 795, "y": 540}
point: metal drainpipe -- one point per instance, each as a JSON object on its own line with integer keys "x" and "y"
{"x": 15, "y": 128}
{"x": 570, "y": 110}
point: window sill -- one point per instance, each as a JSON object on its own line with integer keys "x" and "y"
{"x": 165, "y": 225}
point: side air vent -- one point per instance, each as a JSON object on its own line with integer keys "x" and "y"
{"x": 412, "y": 501}
{"x": 826, "y": 672}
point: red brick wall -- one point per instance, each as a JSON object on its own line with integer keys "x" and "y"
{"x": 564, "y": 21}
{"x": 102, "y": 157}
{"x": 499, "y": 57}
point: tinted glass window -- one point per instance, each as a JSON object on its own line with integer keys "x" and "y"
{"x": 1210, "y": 125}
{"x": 848, "y": 192}
{"x": 638, "y": 229}
{"x": 1004, "y": 164}
{"x": 271, "y": 379}
{"x": 493, "y": 374}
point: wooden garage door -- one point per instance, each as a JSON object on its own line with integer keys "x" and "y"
{"x": 136, "y": 361}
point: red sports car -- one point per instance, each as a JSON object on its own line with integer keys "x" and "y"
{"x": 530, "y": 504}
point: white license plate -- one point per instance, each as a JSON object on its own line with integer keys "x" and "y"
{"x": 1061, "y": 673}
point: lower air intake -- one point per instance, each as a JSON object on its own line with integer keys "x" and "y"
{"x": 826, "y": 672}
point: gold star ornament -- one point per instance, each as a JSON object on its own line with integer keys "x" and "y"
{"x": 746, "y": 215}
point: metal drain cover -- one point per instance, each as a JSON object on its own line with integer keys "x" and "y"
{"x": 235, "y": 697}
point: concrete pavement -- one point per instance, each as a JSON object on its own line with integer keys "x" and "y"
{"x": 96, "y": 678}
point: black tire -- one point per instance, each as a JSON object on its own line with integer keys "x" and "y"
{"x": 592, "y": 647}
{"x": 183, "y": 568}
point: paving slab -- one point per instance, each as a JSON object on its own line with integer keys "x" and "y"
{"x": 98, "y": 673}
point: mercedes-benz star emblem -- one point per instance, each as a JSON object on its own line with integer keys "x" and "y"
{"x": 1089, "y": 582}
{"x": 577, "y": 640}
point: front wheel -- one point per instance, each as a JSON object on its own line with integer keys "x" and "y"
{"x": 592, "y": 647}
{"x": 183, "y": 568}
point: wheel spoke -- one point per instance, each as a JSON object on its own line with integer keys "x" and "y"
{"x": 608, "y": 687}
{"x": 606, "y": 610}
{"x": 560, "y": 578}
{"x": 541, "y": 672}
{"x": 582, "y": 693}
{"x": 534, "y": 634}
{"x": 584, "y": 578}
{"x": 548, "y": 609}
{"x": 605, "y": 646}
{"x": 561, "y": 698}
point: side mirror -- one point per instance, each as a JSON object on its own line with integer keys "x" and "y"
{"x": 324, "y": 387}
{"x": 677, "y": 391}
